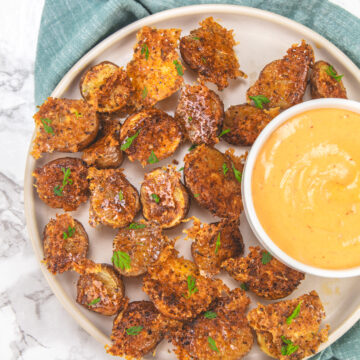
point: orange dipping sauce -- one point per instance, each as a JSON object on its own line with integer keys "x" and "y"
{"x": 306, "y": 188}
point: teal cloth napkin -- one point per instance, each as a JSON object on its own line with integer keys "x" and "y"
{"x": 69, "y": 28}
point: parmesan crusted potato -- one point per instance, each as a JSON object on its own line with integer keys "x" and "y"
{"x": 285, "y": 333}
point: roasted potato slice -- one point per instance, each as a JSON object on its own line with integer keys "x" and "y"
{"x": 222, "y": 333}
{"x": 200, "y": 112}
{"x": 65, "y": 242}
{"x": 141, "y": 246}
{"x": 176, "y": 287}
{"x": 114, "y": 201}
{"x": 214, "y": 243}
{"x": 64, "y": 125}
{"x": 155, "y": 69}
{"x": 210, "y": 176}
{"x": 62, "y": 183}
{"x": 284, "y": 81}
{"x": 100, "y": 288}
{"x": 209, "y": 51}
{"x": 245, "y": 123}
{"x": 163, "y": 197}
{"x": 263, "y": 274}
{"x": 138, "y": 329}
{"x": 106, "y": 87}
{"x": 105, "y": 152}
{"x": 149, "y": 136}
{"x": 323, "y": 85}
{"x": 297, "y": 338}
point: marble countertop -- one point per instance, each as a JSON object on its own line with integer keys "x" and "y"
{"x": 33, "y": 323}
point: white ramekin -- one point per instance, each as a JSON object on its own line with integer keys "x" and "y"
{"x": 250, "y": 212}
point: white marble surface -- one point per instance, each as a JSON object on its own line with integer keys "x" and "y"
{"x": 34, "y": 326}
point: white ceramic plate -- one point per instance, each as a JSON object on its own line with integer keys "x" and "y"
{"x": 262, "y": 37}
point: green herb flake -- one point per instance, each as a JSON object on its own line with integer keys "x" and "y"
{"x": 152, "y": 158}
{"x": 134, "y": 330}
{"x": 156, "y": 198}
{"x": 195, "y": 38}
{"x": 196, "y": 195}
{"x": 266, "y": 257}
{"x": 46, "y": 125}
{"x": 181, "y": 169}
{"x": 69, "y": 233}
{"x": 133, "y": 226}
{"x": 121, "y": 260}
{"x": 191, "y": 283}
{"x": 144, "y": 92}
{"x": 244, "y": 287}
{"x": 203, "y": 60}
{"x": 237, "y": 173}
{"x": 212, "y": 344}
{"x": 259, "y": 100}
{"x": 294, "y": 314}
{"x": 58, "y": 190}
{"x": 330, "y": 71}
{"x": 289, "y": 348}
{"x": 129, "y": 141}
{"x": 218, "y": 243}
{"x": 210, "y": 314}
{"x": 190, "y": 118}
{"x": 77, "y": 114}
{"x": 225, "y": 168}
{"x": 192, "y": 147}
{"x": 179, "y": 68}
{"x": 225, "y": 131}
{"x": 121, "y": 195}
{"x": 145, "y": 50}
{"x": 94, "y": 302}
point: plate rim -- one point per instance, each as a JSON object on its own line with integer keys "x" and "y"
{"x": 82, "y": 63}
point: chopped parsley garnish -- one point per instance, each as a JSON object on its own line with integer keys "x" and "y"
{"x": 69, "y": 233}
{"x": 203, "y": 59}
{"x": 47, "y": 127}
{"x": 289, "y": 348}
{"x": 212, "y": 344}
{"x": 152, "y": 158}
{"x": 181, "y": 169}
{"x": 190, "y": 118}
{"x": 134, "y": 330}
{"x": 191, "y": 283}
{"x": 145, "y": 50}
{"x": 237, "y": 173}
{"x": 196, "y": 38}
{"x": 244, "y": 286}
{"x": 77, "y": 114}
{"x": 121, "y": 260}
{"x": 196, "y": 195}
{"x": 144, "y": 92}
{"x": 259, "y": 100}
{"x": 266, "y": 257}
{"x": 192, "y": 147}
{"x": 218, "y": 243}
{"x": 94, "y": 302}
{"x": 225, "y": 131}
{"x": 225, "y": 168}
{"x": 121, "y": 195}
{"x": 210, "y": 314}
{"x": 58, "y": 190}
{"x": 129, "y": 141}
{"x": 179, "y": 68}
{"x": 330, "y": 71}
{"x": 156, "y": 198}
{"x": 133, "y": 226}
{"x": 294, "y": 314}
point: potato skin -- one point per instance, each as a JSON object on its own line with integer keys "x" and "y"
{"x": 106, "y": 207}
{"x": 51, "y": 175}
{"x": 173, "y": 199}
{"x": 269, "y": 323}
{"x": 61, "y": 253}
{"x": 273, "y": 280}
{"x": 284, "y": 81}
{"x": 322, "y": 85}
{"x": 209, "y": 51}
{"x": 158, "y": 132}
{"x": 74, "y": 125}
{"x": 142, "y": 245}
{"x": 100, "y": 281}
{"x": 106, "y": 87}
{"x": 200, "y": 112}
{"x": 204, "y": 177}
{"x": 229, "y": 329}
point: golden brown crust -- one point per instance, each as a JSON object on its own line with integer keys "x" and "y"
{"x": 100, "y": 288}
{"x": 270, "y": 325}
{"x": 204, "y": 176}
{"x": 164, "y": 198}
{"x": 63, "y": 247}
{"x": 113, "y": 201}
{"x": 284, "y": 81}
{"x": 322, "y": 85}
{"x": 273, "y": 280}
{"x": 209, "y": 51}
{"x": 106, "y": 87}
{"x": 151, "y": 328}
{"x": 246, "y": 122}
{"x": 157, "y": 132}
{"x": 214, "y": 243}
{"x": 51, "y": 177}
{"x": 105, "y": 152}
{"x": 200, "y": 112}
{"x": 166, "y": 283}
{"x": 229, "y": 330}
{"x": 71, "y": 126}
{"x": 153, "y": 68}
{"x": 143, "y": 245}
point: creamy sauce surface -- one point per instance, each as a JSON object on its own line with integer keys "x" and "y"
{"x": 306, "y": 188}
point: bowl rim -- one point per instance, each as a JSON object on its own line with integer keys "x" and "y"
{"x": 249, "y": 208}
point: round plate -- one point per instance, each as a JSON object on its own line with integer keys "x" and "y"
{"x": 262, "y": 37}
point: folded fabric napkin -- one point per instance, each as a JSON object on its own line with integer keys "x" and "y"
{"x": 70, "y": 28}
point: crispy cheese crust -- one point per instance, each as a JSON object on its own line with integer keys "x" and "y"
{"x": 284, "y": 81}
{"x": 164, "y": 198}
{"x": 113, "y": 201}
{"x": 229, "y": 330}
{"x": 200, "y": 112}
{"x": 322, "y": 85}
{"x": 64, "y": 125}
{"x": 273, "y": 280}
{"x": 51, "y": 177}
{"x": 269, "y": 323}
{"x": 155, "y": 69}
{"x": 209, "y": 50}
